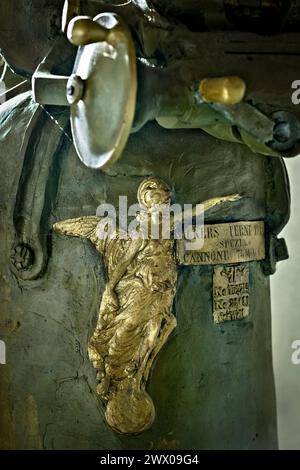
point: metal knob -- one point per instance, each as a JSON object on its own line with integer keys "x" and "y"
{"x": 223, "y": 90}
{"x": 83, "y": 31}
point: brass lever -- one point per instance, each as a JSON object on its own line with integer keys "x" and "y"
{"x": 82, "y": 31}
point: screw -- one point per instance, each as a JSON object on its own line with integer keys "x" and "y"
{"x": 74, "y": 89}
{"x": 70, "y": 90}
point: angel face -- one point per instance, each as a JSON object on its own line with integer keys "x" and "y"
{"x": 154, "y": 192}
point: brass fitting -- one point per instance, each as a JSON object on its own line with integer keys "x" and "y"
{"x": 223, "y": 90}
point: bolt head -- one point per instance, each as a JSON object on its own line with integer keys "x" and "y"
{"x": 75, "y": 87}
{"x": 282, "y": 132}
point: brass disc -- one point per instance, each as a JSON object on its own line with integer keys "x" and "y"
{"x": 102, "y": 119}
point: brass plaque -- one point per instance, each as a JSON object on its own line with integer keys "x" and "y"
{"x": 230, "y": 293}
{"x": 237, "y": 242}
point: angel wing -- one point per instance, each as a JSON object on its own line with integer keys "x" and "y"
{"x": 205, "y": 207}
{"x": 210, "y": 203}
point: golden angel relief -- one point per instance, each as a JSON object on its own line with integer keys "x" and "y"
{"x": 135, "y": 317}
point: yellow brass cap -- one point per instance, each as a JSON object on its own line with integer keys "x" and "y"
{"x": 224, "y": 90}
